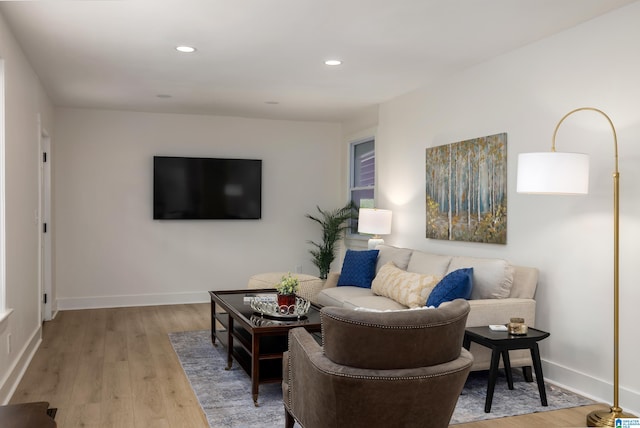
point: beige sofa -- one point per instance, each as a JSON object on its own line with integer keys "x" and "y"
{"x": 500, "y": 291}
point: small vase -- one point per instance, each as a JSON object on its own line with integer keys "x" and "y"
{"x": 287, "y": 303}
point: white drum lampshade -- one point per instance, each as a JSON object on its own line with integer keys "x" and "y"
{"x": 553, "y": 173}
{"x": 375, "y": 222}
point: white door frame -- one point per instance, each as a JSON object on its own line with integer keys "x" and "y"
{"x": 44, "y": 216}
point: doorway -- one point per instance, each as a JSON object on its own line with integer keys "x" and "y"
{"x": 45, "y": 277}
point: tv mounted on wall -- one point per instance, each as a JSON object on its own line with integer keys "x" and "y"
{"x": 187, "y": 188}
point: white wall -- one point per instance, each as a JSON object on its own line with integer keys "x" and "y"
{"x": 525, "y": 93}
{"x": 109, "y": 251}
{"x": 24, "y": 101}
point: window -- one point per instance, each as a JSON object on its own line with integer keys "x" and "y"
{"x": 362, "y": 176}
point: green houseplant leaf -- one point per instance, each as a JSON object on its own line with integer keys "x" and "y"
{"x": 334, "y": 224}
{"x": 288, "y": 284}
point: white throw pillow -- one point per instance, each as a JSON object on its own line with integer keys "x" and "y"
{"x": 407, "y": 288}
{"x": 492, "y": 278}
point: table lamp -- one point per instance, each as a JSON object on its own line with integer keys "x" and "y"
{"x": 374, "y": 222}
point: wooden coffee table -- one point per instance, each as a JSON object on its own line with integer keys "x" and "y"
{"x": 255, "y": 342}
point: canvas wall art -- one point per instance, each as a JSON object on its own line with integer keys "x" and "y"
{"x": 466, "y": 190}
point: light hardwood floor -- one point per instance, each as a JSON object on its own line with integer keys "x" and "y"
{"x": 116, "y": 368}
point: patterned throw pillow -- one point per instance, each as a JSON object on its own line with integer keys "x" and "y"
{"x": 455, "y": 285}
{"x": 407, "y": 288}
{"x": 358, "y": 268}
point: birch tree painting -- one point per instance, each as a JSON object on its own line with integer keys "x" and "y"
{"x": 466, "y": 190}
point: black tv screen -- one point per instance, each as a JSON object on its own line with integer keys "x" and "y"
{"x": 206, "y": 188}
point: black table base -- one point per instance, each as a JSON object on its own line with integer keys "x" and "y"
{"x": 500, "y": 343}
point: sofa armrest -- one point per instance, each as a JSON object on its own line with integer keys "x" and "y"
{"x": 309, "y": 289}
{"x": 332, "y": 280}
{"x": 499, "y": 311}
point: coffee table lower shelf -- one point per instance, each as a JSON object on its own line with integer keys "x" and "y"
{"x": 257, "y": 346}
{"x": 270, "y": 370}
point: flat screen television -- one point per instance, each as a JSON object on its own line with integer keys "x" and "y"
{"x": 187, "y": 188}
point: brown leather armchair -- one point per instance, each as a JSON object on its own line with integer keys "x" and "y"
{"x": 377, "y": 369}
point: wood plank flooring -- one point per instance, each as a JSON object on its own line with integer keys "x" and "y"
{"x": 116, "y": 368}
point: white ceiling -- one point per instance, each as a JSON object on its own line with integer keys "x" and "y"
{"x": 264, "y": 58}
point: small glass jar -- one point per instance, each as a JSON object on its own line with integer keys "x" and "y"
{"x": 517, "y": 327}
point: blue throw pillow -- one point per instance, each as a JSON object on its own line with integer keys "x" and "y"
{"x": 455, "y": 285}
{"x": 358, "y": 268}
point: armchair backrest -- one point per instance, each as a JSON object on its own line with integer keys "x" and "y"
{"x": 394, "y": 340}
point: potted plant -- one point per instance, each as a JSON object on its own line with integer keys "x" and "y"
{"x": 333, "y": 224}
{"x": 287, "y": 288}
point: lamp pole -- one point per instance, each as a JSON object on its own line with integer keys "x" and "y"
{"x": 606, "y": 418}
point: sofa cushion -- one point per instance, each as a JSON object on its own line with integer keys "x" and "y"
{"x": 420, "y": 308}
{"x": 399, "y": 256}
{"x": 407, "y": 288}
{"x": 358, "y": 268}
{"x": 373, "y": 302}
{"x": 492, "y": 278}
{"x": 336, "y": 296}
{"x": 434, "y": 264}
{"x": 456, "y": 285}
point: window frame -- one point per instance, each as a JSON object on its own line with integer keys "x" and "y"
{"x": 352, "y": 231}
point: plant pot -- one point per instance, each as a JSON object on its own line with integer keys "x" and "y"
{"x": 287, "y": 302}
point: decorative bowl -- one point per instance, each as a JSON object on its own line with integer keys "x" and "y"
{"x": 271, "y": 309}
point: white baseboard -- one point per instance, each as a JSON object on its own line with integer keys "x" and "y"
{"x": 19, "y": 367}
{"x": 132, "y": 300}
{"x": 590, "y": 387}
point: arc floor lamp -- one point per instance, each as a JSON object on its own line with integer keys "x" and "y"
{"x": 568, "y": 173}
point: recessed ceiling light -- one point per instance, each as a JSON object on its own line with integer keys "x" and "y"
{"x": 185, "y": 49}
{"x": 333, "y": 62}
